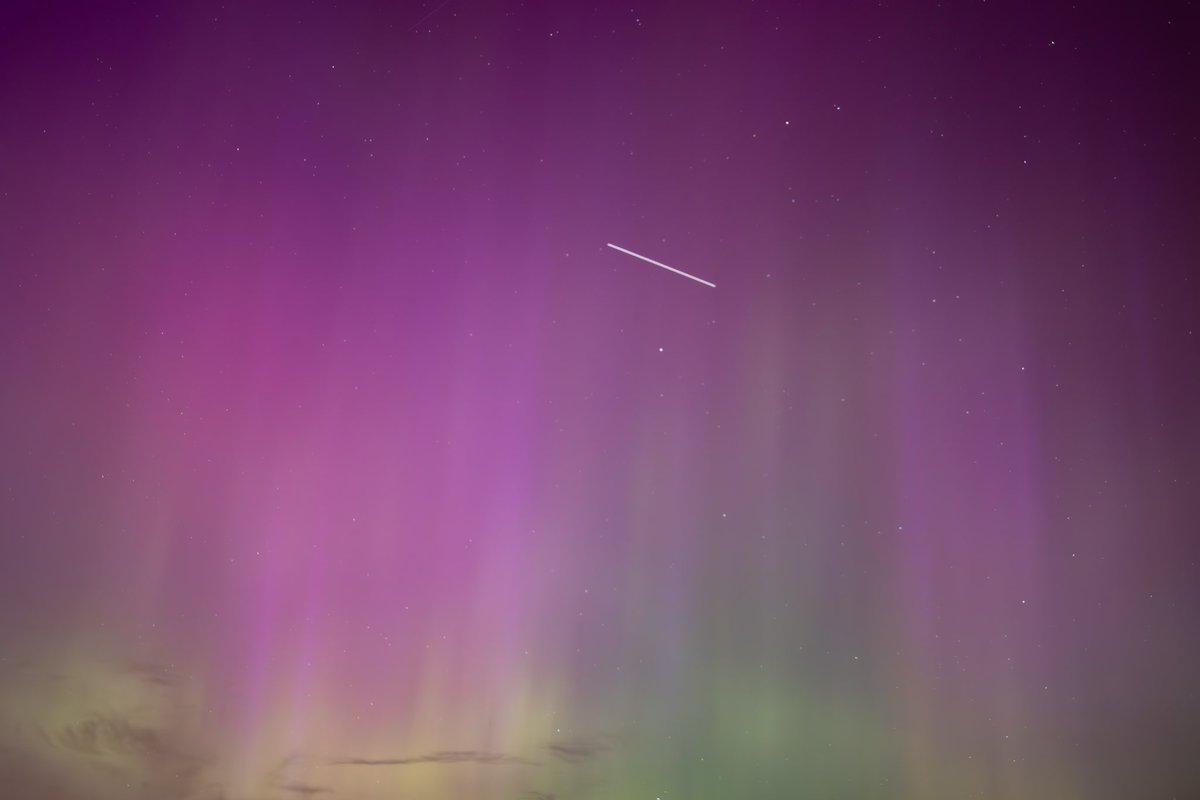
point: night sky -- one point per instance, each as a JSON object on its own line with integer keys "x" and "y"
{"x": 341, "y": 458}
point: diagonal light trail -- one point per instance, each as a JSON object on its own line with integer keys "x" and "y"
{"x": 660, "y": 264}
{"x": 436, "y": 9}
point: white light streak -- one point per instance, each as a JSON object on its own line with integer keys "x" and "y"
{"x": 660, "y": 264}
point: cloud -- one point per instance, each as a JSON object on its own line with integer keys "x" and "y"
{"x": 74, "y": 725}
{"x": 157, "y": 674}
{"x": 305, "y": 789}
{"x": 576, "y": 750}
{"x": 78, "y": 726}
{"x": 100, "y": 735}
{"x": 440, "y": 757}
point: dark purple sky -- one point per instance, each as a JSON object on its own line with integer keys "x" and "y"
{"x": 340, "y": 457}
